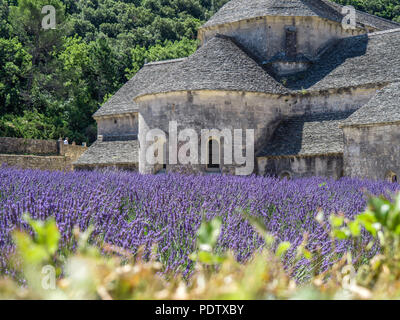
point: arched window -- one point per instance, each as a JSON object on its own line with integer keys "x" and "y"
{"x": 285, "y": 175}
{"x": 391, "y": 177}
{"x": 213, "y": 155}
{"x": 161, "y": 166}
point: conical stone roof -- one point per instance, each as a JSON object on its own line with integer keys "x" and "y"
{"x": 218, "y": 65}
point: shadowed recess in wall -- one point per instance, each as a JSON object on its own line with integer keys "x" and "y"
{"x": 308, "y": 135}
{"x": 339, "y": 58}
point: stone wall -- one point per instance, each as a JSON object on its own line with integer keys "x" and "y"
{"x": 299, "y": 167}
{"x": 28, "y": 146}
{"x": 36, "y": 162}
{"x": 372, "y": 151}
{"x": 117, "y": 126}
{"x": 200, "y": 110}
{"x": 346, "y": 99}
{"x": 38, "y": 154}
{"x": 123, "y": 167}
{"x": 265, "y": 37}
{"x": 237, "y": 110}
{"x": 72, "y": 152}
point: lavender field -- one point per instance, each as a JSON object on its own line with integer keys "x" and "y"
{"x": 131, "y": 211}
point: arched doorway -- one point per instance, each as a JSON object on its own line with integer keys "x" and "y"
{"x": 214, "y": 155}
{"x": 161, "y": 166}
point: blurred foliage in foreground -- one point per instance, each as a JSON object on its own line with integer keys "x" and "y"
{"x": 111, "y": 273}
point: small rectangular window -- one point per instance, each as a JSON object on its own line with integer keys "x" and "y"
{"x": 291, "y": 41}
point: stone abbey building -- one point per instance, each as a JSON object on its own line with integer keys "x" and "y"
{"x": 322, "y": 98}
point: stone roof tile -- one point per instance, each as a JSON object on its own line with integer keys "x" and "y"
{"x": 307, "y": 135}
{"x": 110, "y": 153}
{"x": 122, "y": 101}
{"x": 384, "y": 107}
{"x": 218, "y": 65}
{"x": 355, "y": 61}
{"x": 237, "y": 10}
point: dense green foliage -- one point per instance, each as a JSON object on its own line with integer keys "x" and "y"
{"x": 389, "y": 9}
{"x": 52, "y": 81}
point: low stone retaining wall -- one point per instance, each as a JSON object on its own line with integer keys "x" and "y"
{"x": 38, "y": 154}
{"x": 36, "y": 162}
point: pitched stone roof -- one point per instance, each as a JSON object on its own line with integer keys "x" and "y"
{"x": 110, "y": 153}
{"x": 237, "y": 10}
{"x": 354, "y": 61}
{"x": 218, "y": 65}
{"x": 122, "y": 101}
{"x": 307, "y": 135}
{"x": 384, "y": 107}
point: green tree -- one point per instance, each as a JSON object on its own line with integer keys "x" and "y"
{"x": 389, "y": 9}
{"x": 26, "y": 20}
{"x": 16, "y": 65}
{"x": 165, "y": 51}
{"x": 5, "y": 27}
{"x": 30, "y": 125}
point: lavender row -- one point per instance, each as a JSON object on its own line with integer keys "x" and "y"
{"x": 132, "y": 210}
